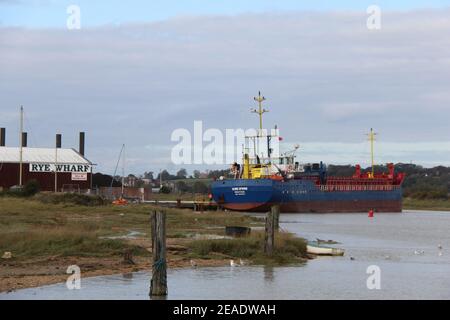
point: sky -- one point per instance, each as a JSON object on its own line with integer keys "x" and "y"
{"x": 51, "y": 13}
{"x": 135, "y": 71}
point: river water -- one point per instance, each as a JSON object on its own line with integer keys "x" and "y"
{"x": 404, "y": 246}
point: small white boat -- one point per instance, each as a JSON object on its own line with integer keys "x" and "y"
{"x": 324, "y": 251}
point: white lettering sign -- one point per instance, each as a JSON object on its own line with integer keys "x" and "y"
{"x": 50, "y": 167}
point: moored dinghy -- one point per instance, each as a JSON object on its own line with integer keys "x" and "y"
{"x": 317, "y": 249}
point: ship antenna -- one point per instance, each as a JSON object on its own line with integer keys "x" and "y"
{"x": 372, "y": 135}
{"x": 260, "y": 111}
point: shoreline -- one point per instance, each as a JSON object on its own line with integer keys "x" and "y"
{"x": 445, "y": 210}
{"x": 426, "y": 205}
{"x": 55, "y": 271}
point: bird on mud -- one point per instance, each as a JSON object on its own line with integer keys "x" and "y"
{"x": 193, "y": 264}
{"x": 242, "y": 262}
{"x": 233, "y": 264}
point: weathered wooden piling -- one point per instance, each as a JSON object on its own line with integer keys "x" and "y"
{"x": 269, "y": 238}
{"x": 276, "y": 216}
{"x": 158, "y": 285}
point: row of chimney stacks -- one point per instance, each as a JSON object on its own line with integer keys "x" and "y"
{"x": 58, "y": 140}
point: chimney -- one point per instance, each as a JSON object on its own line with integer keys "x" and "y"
{"x": 58, "y": 140}
{"x": 82, "y": 135}
{"x": 24, "y": 139}
{"x": 2, "y": 137}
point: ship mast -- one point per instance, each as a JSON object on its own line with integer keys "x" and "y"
{"x": 21, "y": 147}
{"x": 372, "y": 135}
{"x": 260, "y": 110}
{"x": 123, "y": 169}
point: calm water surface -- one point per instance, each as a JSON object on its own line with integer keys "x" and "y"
{"x": 388, "y": 241}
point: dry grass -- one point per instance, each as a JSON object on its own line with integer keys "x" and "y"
{"x": 288, "y": 249}
{"x": 45, "y": 238}
{"x": 30, "y": 228}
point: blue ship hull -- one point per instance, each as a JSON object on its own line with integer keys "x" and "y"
{"x": 301, "y": 196}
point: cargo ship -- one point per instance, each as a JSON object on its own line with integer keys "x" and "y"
{"x": 265, "y": 179}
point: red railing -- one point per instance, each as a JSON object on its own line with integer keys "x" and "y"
{"x": 374, "y": 187}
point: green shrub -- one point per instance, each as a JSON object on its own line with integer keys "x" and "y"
{"x": 165, "y": 189}
{"x": 71, "y": 198}
{"x": 200, "y": 187}
{"x": 31, "y": 188}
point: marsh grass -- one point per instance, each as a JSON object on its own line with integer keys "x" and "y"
{"x": 30, "y": 227}
{"x": 288, "y": 249}
{"x": 429, "y": 204}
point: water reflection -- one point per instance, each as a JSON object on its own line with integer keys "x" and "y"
{"x": 158, "y": 297}
{"x": 269, "y": 273}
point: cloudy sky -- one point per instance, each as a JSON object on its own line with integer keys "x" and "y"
{"x": 134, "y": 73}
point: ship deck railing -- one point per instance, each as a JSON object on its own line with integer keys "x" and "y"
{"x": 328, "y": 188}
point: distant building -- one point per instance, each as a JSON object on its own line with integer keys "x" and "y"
{"x": 203, "y": 175}
{"x": 73, "y": 170}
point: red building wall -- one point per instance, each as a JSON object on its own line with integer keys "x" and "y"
{"x": 9, "y": 176}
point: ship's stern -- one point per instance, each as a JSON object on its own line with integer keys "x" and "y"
{"x": 243, "y": 194}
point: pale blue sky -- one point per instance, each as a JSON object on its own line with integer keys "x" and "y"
{"x": 327, "y": 77}
{"x": 52, "y": 13}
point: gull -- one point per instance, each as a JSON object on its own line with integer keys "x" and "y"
{"x": 233, "y": 264}
{"x": 193, "y": 263}
{"x": 242, "y": 262}
{"x": 440, "y": 254}
{"x": 387, "y": 257}
{"x": 419, "y": 252}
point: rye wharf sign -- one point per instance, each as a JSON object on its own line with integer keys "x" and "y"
{"x": 50, "y": 167}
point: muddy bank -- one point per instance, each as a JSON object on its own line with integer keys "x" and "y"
{"x": 16, "y": 275}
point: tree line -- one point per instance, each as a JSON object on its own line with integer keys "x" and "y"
{"x": 419, "y": 183}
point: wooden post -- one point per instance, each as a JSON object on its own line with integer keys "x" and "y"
{"x": 276, "y": 216}
{"x": 269, "y": 234}
{"x": 158, "y": 286}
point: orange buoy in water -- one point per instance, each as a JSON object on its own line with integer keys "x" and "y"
{"x": 371, "y": 213}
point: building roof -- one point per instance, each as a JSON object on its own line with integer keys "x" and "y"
{"x": 41, "y": 155}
